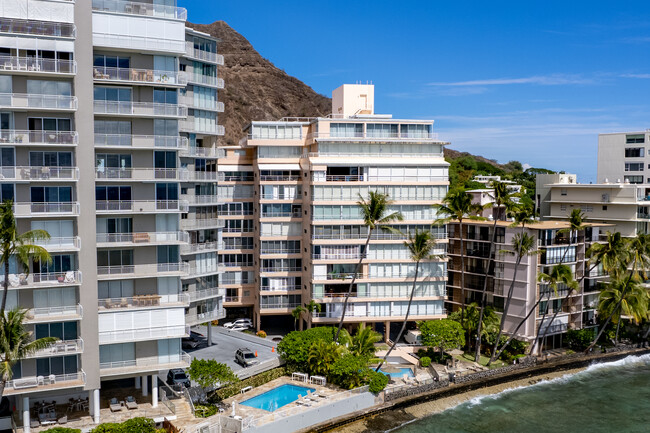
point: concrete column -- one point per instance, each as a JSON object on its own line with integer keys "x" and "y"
{"x": 26, "y": 419}
{"x": 209, "y": 333}
{"x": 96, "y": 406}
{"x": 137, "y": 383}
{"x": 386, "y": 332}
{"x": 145, "y": 387}
{"x": 91, "y": 403}
{"x": 154, "y": 391}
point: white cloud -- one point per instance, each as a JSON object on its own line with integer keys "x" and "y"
{"x": 542, "y": 80}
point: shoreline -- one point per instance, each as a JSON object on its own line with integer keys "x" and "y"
{"x": 394, "y": 419}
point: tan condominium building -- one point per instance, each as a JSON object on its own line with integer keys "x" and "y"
{"x": 293, "y": 231}
{"x": 108, "y": 137}
{"x": 623, "y": 157}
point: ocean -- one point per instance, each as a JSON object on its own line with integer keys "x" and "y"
{"x": 605, "y": 398}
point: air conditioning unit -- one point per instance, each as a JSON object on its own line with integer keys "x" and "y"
{"x": 605, "y": 198}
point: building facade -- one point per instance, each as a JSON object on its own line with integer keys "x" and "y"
{"x": 623, "y": 157}
{"x": 109, "y": 129}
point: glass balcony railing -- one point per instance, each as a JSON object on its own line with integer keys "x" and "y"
{"x": 40, "y": 173}
{"x": 143, "y": 238}
{"x": 141, "y": 141}
{"x": 36, "y": 65}
{"x": 143, "y": 76}
{"x": 139, "y": 8}
{"x": 37, "y": 28}
{"x": 147, "y": 109}
{"x": 38, "y": 138}
{"x": 19, "y": 101}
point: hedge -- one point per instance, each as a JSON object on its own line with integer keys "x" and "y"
{"x": 255, "y": 381}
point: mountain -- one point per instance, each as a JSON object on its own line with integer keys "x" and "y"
{"x": 255, "y": 88}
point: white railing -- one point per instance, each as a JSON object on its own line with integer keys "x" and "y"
{"x": 280, "y": 289}
{"x": 193, "y": 319}
{"x": 22, "y": 137}
{"x": 37, "y": 28}
{"x": 282, "y": 305}
{"x": 137, "y": 173}
{"x": 280, "y": 196}
{"x": 31, "y": 208}
{"x": 34, "y": 64}
{"x": 140, "y": 301}
{"x": 375, "y": 178}
{"x": 377, "y": 135}
{"x": 131, "y": 206}
{"x": 205, "y": 80}
{"x": 145, "y": 43}
{"x": 151, "y": 361}
{"x": 202, "y": 223}
{"x": 195, "y": 272}
{"x": 39, "y": 173}
{"x": 132, "y": 75}
{"x": 220, "y": 83}
{"x": 43, "y": 313}
{"x": 202, "y": 199}
{"x": 205, "y": 294}
{"x": 375, "y": 236}
{"x": 60, "y": 243}
{"x": 297, "y": 214}
{"x": 203, "y": 152}
{"x": 127, "y": 108}
{"x": 280, "y": 251}
{"x": 279, "y": 269}
{"x": 142, "y": 334}
{"x": 33, "y": 100}
{"x": 372, "y": 155}
{"x": 353, "y": 313}
{"x": 278, "y": 178}
{"x": 195, "y": 53}
{"x": 150, "y": 269}
{"x": 142, "y": 237}
{"x": 339, "y": 256}
{"x": 200, "y": 247}
{"x": 141, "y": 141}
{"x": 61, "y": 347}
{"x": 138, "y": 8}
{"x": 52, "y": 379}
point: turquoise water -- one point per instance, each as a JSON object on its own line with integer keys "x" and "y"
{"x": 277, "y": 397}
{"x": 605, "y": 398}
{"x": 404, "y": 371}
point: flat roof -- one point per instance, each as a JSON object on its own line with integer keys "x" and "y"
{"x": 537, "y": 225}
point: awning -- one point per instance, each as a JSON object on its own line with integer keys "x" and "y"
{"x": 279, "y": 166}
{"x": 234, "y": 167}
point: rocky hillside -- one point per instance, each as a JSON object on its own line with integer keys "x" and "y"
{"x": 255, "y": 88}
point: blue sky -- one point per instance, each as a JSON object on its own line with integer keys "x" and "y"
{"x": 531, "y": 81}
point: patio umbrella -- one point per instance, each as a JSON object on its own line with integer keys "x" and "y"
{"x": 234, "y": 404}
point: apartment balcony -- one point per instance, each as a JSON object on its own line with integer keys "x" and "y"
{"x": 137, "y": 174}
{"x": 204, "y": 56}
{"x": 375, "y": 136}
{"x": 270, "y": 270}
{"x": 285, "y": 307}
{"x": 353, "y": 315}
{"x": 32, "y": 101}
{"x": 203, "y": 152}
{"x": 201, "y": 247}
{"x": 248, "y": 177}
{"x": 32, "y": 66}
{"x": 195, "y": 272}
{"x": 140, "y": 206}
{"x": 199, "y": 176}
{"x": 200, "y": 295}
{"x": 111, "y": 240}
{"x": 341, "y": 256}
{"x": 197, "y": 224}
{"x": 30, "y": 384}
{"x": 141, "y": 365}
{"x": 232, "y": 299}
{"x": 279, "y": 178}
{"x": 340, "y": 276}
{"x": 297, "y": 214}
{"x": 376, "y": 236}
{"x": 59, "y": 244}
{"x": 143, "y": 302}
{"x": 192, "y": 126}
{"x": 38, "y": 174}
{"x": 197, "y": 319}
{"x": 37, "y": 28}
{"x": 69, "y": 313}
{"x": 375, "y": 178}
{"x": 203, "y": 200}
{"x": 275, "y": 251}
{"x": 371, "y": 154}
{"x": 289, "y": 197}
{"x": 142, "y": 77}
{"x": 140, "y": 109}
{"x": 205, "y": 80}
{"x": 60, "y": 348}
{"x": 32, "y": 209}
{"x": 38, "y": 138}
{"x": 149, "y": 270}
{"x": 122, "y": 141}
{"x": 143, "y": 334}
{"x": 139, "y": 8}
{"x": 202, "y": 105}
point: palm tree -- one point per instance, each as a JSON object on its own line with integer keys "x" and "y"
{"x": 501, "y": 197}
{"x": 313, "y": 307}
{"x": 296, "y": 313}
{"x": 16, "y": 343}
{"x": 322, "y": 354}
{"x": 20, "y": 246}
{"x": 363, "y": 342}
{"x": 458, "y": 206}
{"x": 522, "y": 246}
{"x": 375, "y": 213}
{"x": 420, "y": 246}
{"x": 560, "y": 275}
{"x": 634, "y": 303}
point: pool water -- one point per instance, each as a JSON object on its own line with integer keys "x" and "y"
{"x": 403, "y": 372}
{"x": 277, "y": 397}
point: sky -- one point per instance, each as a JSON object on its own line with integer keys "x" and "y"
{"x": 509, "y": 80}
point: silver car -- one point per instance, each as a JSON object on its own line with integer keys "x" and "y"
{"x": 246, "y": 357}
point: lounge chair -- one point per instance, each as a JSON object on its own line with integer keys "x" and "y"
{"x": 115, "y": 405}
{"x": 63, "y": 419}
{"x": 131, "y": 403}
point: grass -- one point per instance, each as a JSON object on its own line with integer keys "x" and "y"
{"x": 469, "y": 357}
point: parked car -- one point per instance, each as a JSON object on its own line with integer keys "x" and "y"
{"x": 177, "y": 376}
{"x": 245, "y": 357}
{"x": 193, "y": 341}
{"x": 239, "y": 322}
{"x": 413, "y": 337}
{"x": 239, "y": 328}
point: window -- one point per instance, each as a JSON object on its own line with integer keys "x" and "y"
{"x": 114, "y": 257}
{"x": 165, "y": 96}
{"x": 634, "y": 152}
{"x": 633, "y": 179}
{"x": 563, "y": 191}
{"x": 51, "y": 194}
{"x": 120, "y": 94}
{"x": 166, "y": 191}
{"x": 416, "y": 131}
{"x": 563, "y": 208}
{"x": 638, "y": 138}
{"x": 102, "y": 61}
{"x": 42, "y": 87}
{"x": 114, "y": 225}
{"x": 56, "y": 365}
{"x": 381, "y": 130}
{"x": 62, "y": 331}
{"x": 49, "y": 124}
{"x": 346, "y": 130}
{"x": 50, "y": 159}
{"x": 604, "y": 207}
{"x": 634, "y": 166}
{"x": 60, "y": 263}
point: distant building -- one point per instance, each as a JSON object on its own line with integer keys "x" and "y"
{"x": 623, "y": 157}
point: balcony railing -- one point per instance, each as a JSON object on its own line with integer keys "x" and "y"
{"x": 142, "y": 43}
{"x": 205, "y": 294}
{"x": 202, "y": 224}
{"x": 148, "y": 362}
{"x": 205, "y": 56}
{"x": 148, "y": 206}
{"x": 53, "y": 313}
{"x": 202, "y": 199}
{"x": 144, "y": 270}
{"x": 193, "y": 126}
{"x": 39, "y": 173}
{"x": 140, "y": 76}
{"x": 37, "y": 28}
{"x": 60, "y": 243}
{"x": 53, "y": 209}
{"x": 297, "y": 214}
{"x": 280, "y": 196}
{"x": 276, "y": 178}
{"x": 142, "y": 301}
{"x": 282, "y": 305}
{"x": 61, "y": 347}
{"x": 205, "y": 80}
{"x": 375, "y": 236}
{"x": 374, "y": 178}
{"x": 232, "y": 299}
{"x": 34, "y": 65}
{"x": 340, "y": 276}
{"x": 138, "y": 8}
{"x": 203, "y": 152}
{"x": 193, "y": 319}
{"x": 352, "y": 313}
{"x": 371, "y": 155}
{"x": 24, "y": 383}
{"x": 287, "y": 288}
{"x": 143, "y": 334}
{"x": 142, "y": 237}
{"x": 377, "y": 135}
{"x": 235, "y": 178}
{"x": 137, "y": 173}
{"x": 280, "y": 251}
{"x": 281, "y": 269}
{"x": 201, "y": 247}
{"x": 141, "y": 141}
{"x": 208, "y": 176}
{"x": 37, "y": 101}
{"x": 339, "y": 256}
{"x": 148, "y": 109}
{"x": 31, "y": 138}
{"x": 44, "y": 279}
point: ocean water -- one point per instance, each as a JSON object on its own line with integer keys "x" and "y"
{"x": 605, "y": 398}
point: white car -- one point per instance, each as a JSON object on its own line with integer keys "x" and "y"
{"x": 239, "y": 328}
{"x": 247, "y": 323}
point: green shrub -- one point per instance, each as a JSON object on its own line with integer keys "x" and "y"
{"x": 579, "y": 339}
{"x": 261, "y": 334}
{"x": 62, "y": 430}
{"x": 425, "y": 361}
{"x": 109, "y": 427}
{"x": 350, "y": 371}
{"x": 204, "y": 411}
{"x": 255, "y": 381}
{"x": 294, "y": 347}
{"x": 139, "y": 425}
{"x": 378, "y": 382}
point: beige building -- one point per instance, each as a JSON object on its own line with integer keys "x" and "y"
{"x": 623, "y": 157}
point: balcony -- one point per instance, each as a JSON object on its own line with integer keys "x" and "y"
{"x": 195, "y": 271}
{"x": 371, "y": 154}
{"x": 30, "y": 101}
{"x": 376, "y": 235}
{"x": 279, "y": 178}
{"x": 205, "y": 80}
{"x": 139, "y": 76}
{"x": 35, "y": 173}
{"x": 374, "y": 178}
{"x": 340, "y": 276}
{"x": 52, "y": 382}
{"x": 37, "y": 66}
{"x": 280, "y": 251}
{"x": 68, "y": 313}
{"x": 204, "y": 105}
{"x": 140, "y": 206}
{"x": 31, "y": 209}
{"x": 232, "y": 299}
{"x": 196, "y": 319}
{"x": 149, "y": 270}
{"x": 138, "y": 8}
{"x": 341, "y": 256}
{"x": 61, "y": 347}
{"x": 143, "y": 44}
{"x": 200, "y": 295}
{"x": 281, "y": 269}
{"x": 351, "y": 314}
{"x": 142, "y": 301}
{"x": 38, "y": 138}
{"x": 201, "y": 247}
{"x": 143, "y": 334}
{"x": 203, "y": 152}
{"x": 248, "y": 177}
{"x": 140, "y": 141}
{"x": 139, "y": 109}
{"x": 203, "y": 200}
{"x": 280, "y": 306}
{"x": 141, "y": 239}
{"x": 296, "y": 214}
{"x": 144, "y": 364}
{"x": 287, "y": 196}
{"x": 201, "y": 176}
{"x": 196, "y": 224}
{"x": 60, "y": 244}
{"x": 193, "y": 126}
{"x": 37, "y": 28}
{"x": 287, "y": 288}
{"x": 136, "y": 174}
{"x": 205, "y": 56}
{"x": 375, "y": 136}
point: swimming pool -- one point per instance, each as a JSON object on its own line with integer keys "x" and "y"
{"x": 277, "y": 397}
{"x": 403, "y": 372}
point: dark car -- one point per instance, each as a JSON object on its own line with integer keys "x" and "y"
{"x": 245, "y": 357}
{"x": 193, "y": 341}
{"x": 177, "y": 376}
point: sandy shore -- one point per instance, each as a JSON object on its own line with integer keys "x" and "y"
{"x": 394, "y": 418}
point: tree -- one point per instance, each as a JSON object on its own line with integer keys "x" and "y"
{"x": 20, "y": 246}
{"x": 490, "y": 320}
{"x": 16, "y": 343}
{"x": 633, "y": 304}
{"x": 420, "y": 246}
{"x": 612, "y": 255}
{"x": 501, "y": 196}
{"x": 350, "y": 371}
{"x": 296, "y": 313}
{"x": 458, "y": 206}
{"x": 375, "y": 213}
{"x": 322, "y": 354}
{"x": 363, "y": 342}
{"x": 445, "y": 334}
{"x": 209, "y": 373}
{"x": 294, "y": 347}
{"x": 313, "y": 307}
